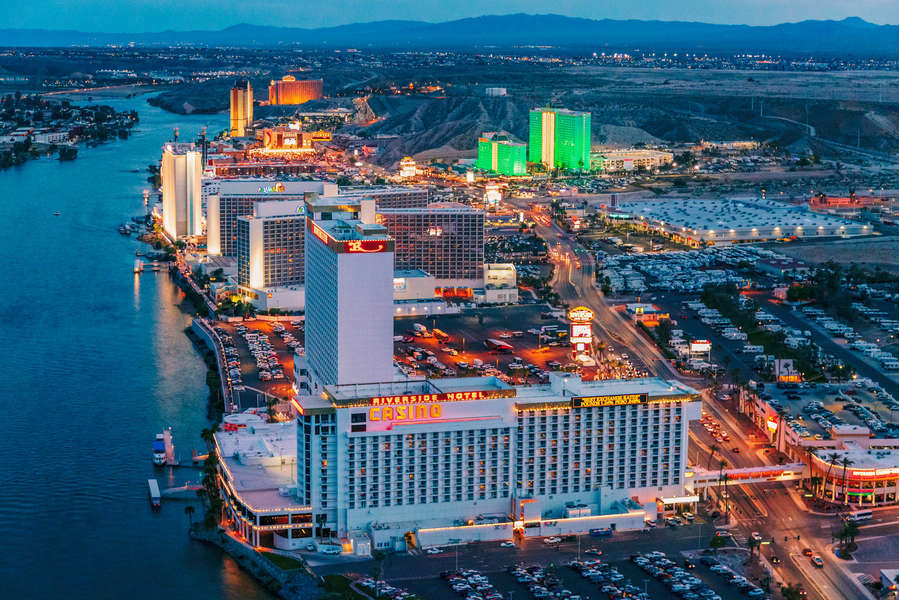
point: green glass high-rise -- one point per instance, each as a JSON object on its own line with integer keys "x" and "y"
{"x": 499, "y": 153}
{"x": 559, "y": 138}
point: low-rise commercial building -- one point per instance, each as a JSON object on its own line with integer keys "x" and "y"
{"x": 611, "y": 161}
{"x": 728, "y": 221}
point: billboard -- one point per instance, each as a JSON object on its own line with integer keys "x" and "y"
{"x": 700, "y": 346}
{"x": 580, "y": 314}
{"x": 611, "y": 400}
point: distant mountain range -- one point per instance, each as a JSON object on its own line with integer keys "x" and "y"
{"x": 851, "y": 36}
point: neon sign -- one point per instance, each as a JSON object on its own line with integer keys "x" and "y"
{"x": 356, "y": 246}
{"x": 449, "y": 397}
{"x": 613, "y": 400}
{"x": 319, "y": 232}
{"x": 269, "y": 189}
{"x": 580, "y": 314}
{"x": 404, "y": 413}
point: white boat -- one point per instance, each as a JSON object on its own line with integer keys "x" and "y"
{"x": 138, "y": 266}
{"x": 159, "y": 450}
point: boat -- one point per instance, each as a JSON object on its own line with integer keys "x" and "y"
{"x": 56, "y": 213}
{"x": 155, "y": 496}
{"x": 138, "y": 266}
{"x": 138, "y": 253}
{"x": 155, "y": 267}
{"x": 159, "y": 450}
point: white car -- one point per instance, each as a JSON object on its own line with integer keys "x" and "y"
{"x": 757, "y": 536}
{"x": 507, "y": 545}
{"x": 552, "y": 540}
{"x": 433, "y": 551}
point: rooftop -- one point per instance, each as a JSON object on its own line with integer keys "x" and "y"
{"x": 261, "y": 460}
{"x": 561, "y": 386}
{"x": 711, "y": 215}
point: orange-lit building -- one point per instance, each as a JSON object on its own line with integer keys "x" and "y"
{"x": 241, "y": 108}
{"x": 288, "y": 90}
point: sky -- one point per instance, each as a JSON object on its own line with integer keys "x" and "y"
{"x": 158, "y": 15}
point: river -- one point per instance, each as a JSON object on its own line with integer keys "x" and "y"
{"x": 95, "y": 364}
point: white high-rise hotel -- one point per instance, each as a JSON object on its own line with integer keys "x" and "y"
{"x": 397, "y": 461}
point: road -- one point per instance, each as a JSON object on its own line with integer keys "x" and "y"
{"x": 777, "y": 511}
{"x": 574, "y": 279}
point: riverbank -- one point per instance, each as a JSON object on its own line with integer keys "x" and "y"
{"x": 288, "y": 583}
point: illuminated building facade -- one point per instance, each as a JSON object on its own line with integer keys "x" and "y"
{"x": 241, "y": 108}
{"x": 349, "y": 301}
{"x": 270, "y": 245}
{"x": 408, "y": 168}
{"x": 499, "y": 153}
{"x": 446, "y": 239}
{"x": 559, "y": 138}
{"x": 420, "y": 457}
{"x": 288, "y": 90}
{"x": 181, "y": 171}
{"x": 229, "y": 199}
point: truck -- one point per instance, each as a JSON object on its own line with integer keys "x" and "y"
{"x": 420, "y": 329}
{"x": 497, "y": 345}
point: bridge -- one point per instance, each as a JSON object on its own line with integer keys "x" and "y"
{"x": 699, "y": 479}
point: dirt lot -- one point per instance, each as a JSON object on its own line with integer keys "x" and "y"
{"x": 870, "y": 252}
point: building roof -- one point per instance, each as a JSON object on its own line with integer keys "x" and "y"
{"x": 261, "y": 460}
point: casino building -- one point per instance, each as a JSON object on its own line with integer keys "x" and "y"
{"x": 426, "y": 462}
{"x": 384, "y": 461}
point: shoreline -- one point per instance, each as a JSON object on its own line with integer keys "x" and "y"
{"x": 295, "y": 584}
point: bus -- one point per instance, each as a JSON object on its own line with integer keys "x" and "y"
{"x": 601, "y": 532}
{"x": 440, "y": 335}
{"x": 859, "y": 515}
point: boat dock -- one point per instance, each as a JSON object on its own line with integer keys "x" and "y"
{"x": 153, "y": 265}
{"x": 170, "y": 460}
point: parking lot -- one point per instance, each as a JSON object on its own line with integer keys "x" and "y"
{"x": 465, "y": 350}
{"x": 523, "y": 571}
{"x": 469, "y": 332}
{"x": 260, "y": 359}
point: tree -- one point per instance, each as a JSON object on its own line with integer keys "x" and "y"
{"x": 716, "y": 542}
{"x": 753, "y": 545}
{"x": 831, "y": 459}
{"x": 845, "y": 462}
{"x": 208, "y": 435}
{"x": 791, "y": 592}
{"x": 850, "y": 532}
{"x": 713, "y": 449}
{"x": 810, "y": 454}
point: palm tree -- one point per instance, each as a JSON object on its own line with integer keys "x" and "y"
{"x": 726, "y": 500}
{"x": 713, "y": 449}
{"x": 753, "y": 545}
{"x": 845, "y": 462}
{"x": 189, "y": 511}
{"x": 831, "y": 459}
{"x": 851, "y": 530}
{"x": 810, "y": 453}
{"x": 208, "y": 435}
